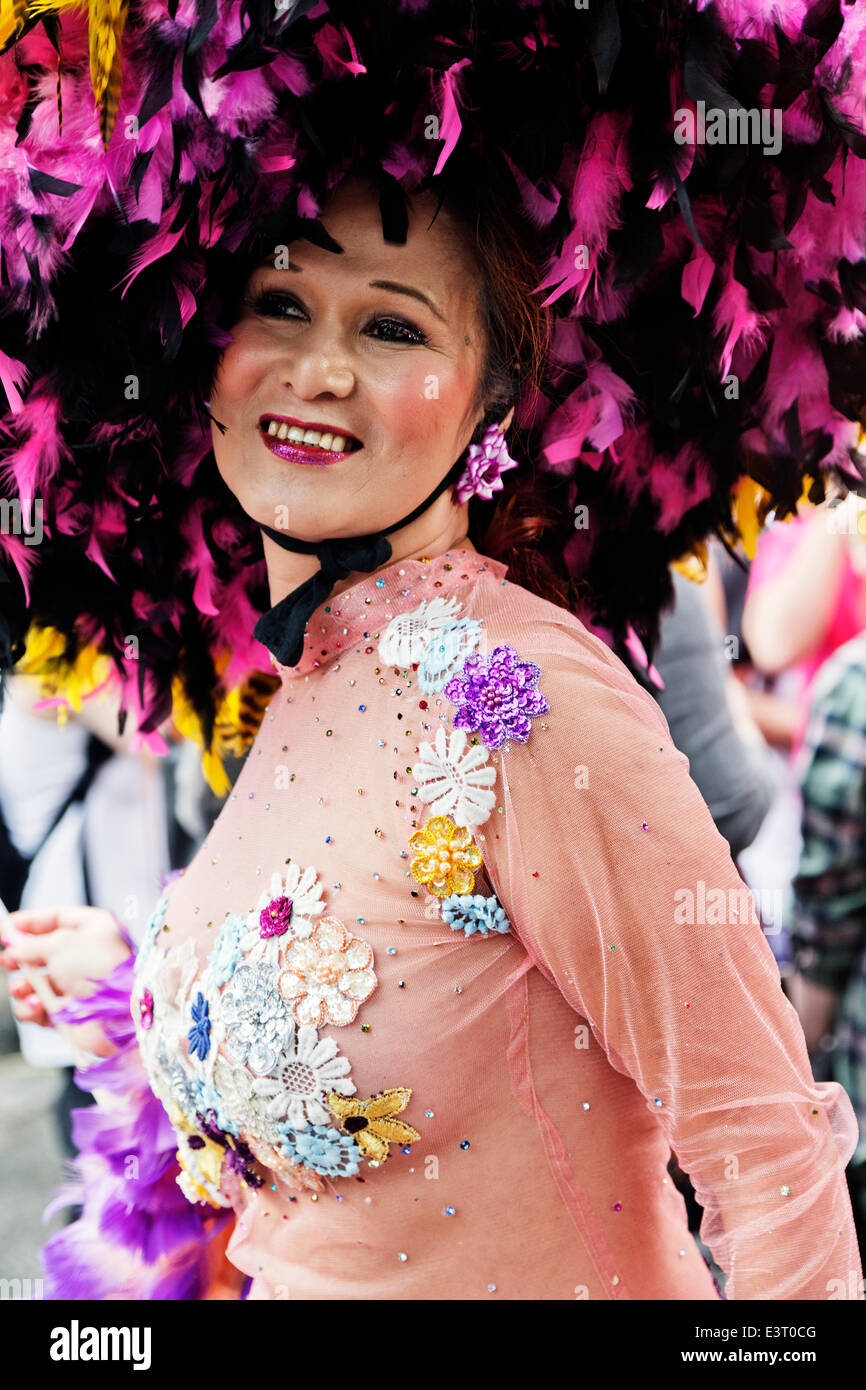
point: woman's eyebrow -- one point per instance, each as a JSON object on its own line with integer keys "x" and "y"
{"x": 406, "y": 289}
{"x": 391, "y": 285}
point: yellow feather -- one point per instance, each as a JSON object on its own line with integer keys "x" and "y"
{"x": 694, "y": 565}
{"x": 107, "y": 20}
{"x": 73, "y": 681}
{"x": 12, "y": 16}
{"x": 111, "y": 101}
{"x": 55, "y": 6}
{"x": 803, "y": 499}
{"x": 106, "y": 23}
{"x": 750, "y": 507}
{"x": 40, "y": 645}
{"x": 188, "y": 725}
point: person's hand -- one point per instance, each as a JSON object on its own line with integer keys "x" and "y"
{"x": 67, "y": 949}
{"x": 816, "y": 1007}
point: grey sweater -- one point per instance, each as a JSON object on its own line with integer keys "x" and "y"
{"x": 735, "y": 785}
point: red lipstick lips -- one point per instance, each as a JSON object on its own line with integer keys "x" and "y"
{"x": 296, "y": 450}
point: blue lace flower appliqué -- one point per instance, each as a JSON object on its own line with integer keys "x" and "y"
{"x": 322, "y": 1148}
{"x": 199, "y": 1033}
{"x": 227, "y": 955}
{"x": 451, "y": 645}
{"x": 471, "y": 913}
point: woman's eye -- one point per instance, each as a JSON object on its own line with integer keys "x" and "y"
{"x": 275, "y": 304}
{"x": 271, "y": 304}
{"x": 399, "y": 332}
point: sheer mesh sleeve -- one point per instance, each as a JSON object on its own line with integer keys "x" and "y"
{"x": 625, "y": 896}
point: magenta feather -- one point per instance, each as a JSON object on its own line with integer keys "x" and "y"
{"x": 697, "y": 278}
{"x": 450, "y": 124}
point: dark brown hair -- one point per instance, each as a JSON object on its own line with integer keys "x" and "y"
{"x": 528, "y": 523}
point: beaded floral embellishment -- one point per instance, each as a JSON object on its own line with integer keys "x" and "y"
{"x": 203, "y": 1150}
{"x": 372, "y": 1123}
{"x": 234, "y": 1052}
{"x": 457, "y": 779}
{"x": 470, "y": 914}
{"x": 445, "y": 857}
{"x": 408, "y": 635}
{"x": 447, "y": 652}
{"x": 307, "y": 1068}
{"x": 497, "y": 696}
{"x": 145, "y": 1010}
{"x": 328, "y": 976}
{"x": 323, "y": 1149}
{"x": 286, "y": 909}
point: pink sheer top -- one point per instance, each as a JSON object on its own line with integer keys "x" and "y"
{"x": 453, "y": 972}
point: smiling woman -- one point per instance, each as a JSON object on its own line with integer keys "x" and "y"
{"x": 322, "y": 343}
{"x": 322, "y": 330}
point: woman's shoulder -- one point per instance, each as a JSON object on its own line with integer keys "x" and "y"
{"x": 574, "y": 662}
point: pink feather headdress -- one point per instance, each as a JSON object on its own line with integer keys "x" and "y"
{"x": 693, "y": 173}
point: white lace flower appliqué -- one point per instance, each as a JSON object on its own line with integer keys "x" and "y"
{"x": 408, "y": 635}
{"x": 327, "y": 977}
{"x": 309, "y": 1068}
{"x": 170, "y": 979}
{"x": 171, "y": 1079}
{"x": 240, "y": 1103}
{"x": 456, "y": 777}
{"x": 284, "y": 910}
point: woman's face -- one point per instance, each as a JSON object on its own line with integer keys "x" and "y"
{"x": 393, "y": 365}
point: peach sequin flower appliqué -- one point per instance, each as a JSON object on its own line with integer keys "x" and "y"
{"x": 328, "y": 976}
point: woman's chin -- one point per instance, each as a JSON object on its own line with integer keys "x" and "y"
{"x": 308, "y": 522}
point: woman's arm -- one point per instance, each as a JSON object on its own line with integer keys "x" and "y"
{"x": 816, "y": 1008}
{"x": 786, "y": 617}
{"x": 731, "y": 772}
{"x": 776, "y": 718}
{"x": 626, "y": 897}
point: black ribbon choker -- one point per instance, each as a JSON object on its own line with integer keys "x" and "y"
{"x": 281, "y": 629}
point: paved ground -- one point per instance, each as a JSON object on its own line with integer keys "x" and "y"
{"x": 30, "y": 1158}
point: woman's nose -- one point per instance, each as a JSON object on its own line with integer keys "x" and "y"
{"x": 319, "y": 366}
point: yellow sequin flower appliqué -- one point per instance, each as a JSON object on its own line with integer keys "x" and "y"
{"x": 445, "y": 857}
{"x": 371, "y": 1122}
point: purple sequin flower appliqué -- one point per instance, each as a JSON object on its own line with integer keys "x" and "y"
{"x": 275, "y": 918}
{"x": 497, "y": 696}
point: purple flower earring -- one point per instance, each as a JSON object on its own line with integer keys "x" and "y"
{"x": 485, "y": 464}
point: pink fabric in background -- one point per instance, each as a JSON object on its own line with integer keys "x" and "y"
{"x": 551, "y": 1068}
